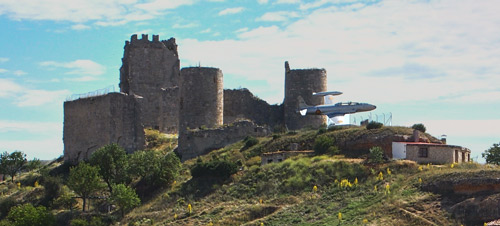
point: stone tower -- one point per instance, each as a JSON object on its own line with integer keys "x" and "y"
{"x": 150, "y": 69}
{"x": 303, "y": 83}
{"x": 201, "y": 98}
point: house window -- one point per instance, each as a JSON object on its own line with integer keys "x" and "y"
{"x": 423, "y": 152}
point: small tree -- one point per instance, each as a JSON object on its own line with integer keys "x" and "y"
{"x": 27, "y": 214}
{"x": 492, "y": 155}
{"x": 420, "y": 127}
{"x": 324, "y": 145}
{"x": 374, "y": 125}
{"x": 11, "y": 164}
{"x": 376, "y": 155}
{"x": 84, "y": 180}
{"x": 155, "y": 168}
{"x": 112, "y": 162}
{"x": 125, "y": 197}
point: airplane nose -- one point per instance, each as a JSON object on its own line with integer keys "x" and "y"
{"x": 372, "y": 107}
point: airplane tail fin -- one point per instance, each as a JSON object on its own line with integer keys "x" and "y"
{"x": 302, "y": 106}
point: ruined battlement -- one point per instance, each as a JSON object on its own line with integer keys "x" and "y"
{"x": 144, "y": 42}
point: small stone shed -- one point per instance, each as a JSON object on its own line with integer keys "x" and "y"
{"x": 430, "y": 152}
{"x": 279, "y": 156}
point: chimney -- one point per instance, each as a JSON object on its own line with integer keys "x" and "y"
{"x": 416, "y": 135}
{"x": 443, "y": 139}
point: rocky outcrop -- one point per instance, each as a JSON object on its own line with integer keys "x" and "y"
{"x": 472, "y": 197}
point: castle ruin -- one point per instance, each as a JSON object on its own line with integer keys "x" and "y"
{"x": 155, "y": 93}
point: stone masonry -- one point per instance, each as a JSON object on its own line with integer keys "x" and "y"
{"x": 303, "y": 83}
{"x": 93, "y": 122}
{"x": 151, "y": 70}
{"x": 242, "y": 104}
{"x": 201, "y": 141}
{"x": 201, "y": 102}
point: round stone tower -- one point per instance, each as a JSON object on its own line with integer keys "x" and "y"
{"x": 201, "y": 98}
{"x": 303, "y": 82}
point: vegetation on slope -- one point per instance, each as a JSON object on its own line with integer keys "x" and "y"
{"x": 230, "y": 187}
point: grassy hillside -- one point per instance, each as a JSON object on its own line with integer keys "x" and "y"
{"x": 302, "y": 190}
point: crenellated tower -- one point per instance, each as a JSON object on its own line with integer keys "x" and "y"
{"x": 150, "y": 69}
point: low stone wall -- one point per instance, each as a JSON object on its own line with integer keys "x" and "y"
{"x": 93, "y": 122}
{"x": 198, "y": 142}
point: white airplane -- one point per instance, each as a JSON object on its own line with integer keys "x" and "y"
{"x": 333, "y": 110}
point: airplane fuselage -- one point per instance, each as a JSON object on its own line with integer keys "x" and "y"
{"x": 338, "y": 109}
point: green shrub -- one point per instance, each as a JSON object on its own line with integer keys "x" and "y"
{"x": 214, "y": 168}
{"x": 325, "y": 145}
{"x": 420, "y": 127}
{"x": 5, "y": 205}
{"x": 250, "y": 141}
{"x": 27, "y": 214}
{"x": 376, "y": 155}
{"x": 52, "y": 189}
{"x": 79, "y": 222}
{"x": 374, "y": 125}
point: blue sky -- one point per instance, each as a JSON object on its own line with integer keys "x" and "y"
{"x": 431, "y": 62}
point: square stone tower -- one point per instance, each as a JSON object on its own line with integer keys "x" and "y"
{"x": 150, "y": 69}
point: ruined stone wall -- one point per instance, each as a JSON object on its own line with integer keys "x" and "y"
{"x": 303, "y": 83}
{"x": 242, "y": 104}
{"x": 201, "y": 102}
{"x": 93, "y": 122}
{"x": 198, "y": 142}
{"x": 151, "y": 69}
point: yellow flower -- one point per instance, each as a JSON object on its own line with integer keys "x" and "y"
{"x": 175, "y": 216}
{"x": 420, "y": 168}
{"x": 18, "y": 184}
{"x": 36, "y": 184}
{"x": 365, "y": 221}
{"x": 420, "y": 180}
{"x": 261, "y": 224}
{"x": 452, "y": 165}
{"x": 315, "y": 188}
{"x": 380, "y": 176}
{"x": 190, "y": 208}
{"x": 387, "y": 189}
{"x": 260, "y": 201}
{"x": 356, "y": 181}
{"x": 340, "y": 216}
{"x": 375, "y": 188}
{"x": 388, "y": 171}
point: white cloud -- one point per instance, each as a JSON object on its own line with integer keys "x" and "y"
{"x": 77, "y": 67}
{"x": 262, "y": 1}
{"x": 19, "y": 73}
{"x": 3, "y": 70}
{"x": 32, "y": 98}
{"x": 241, "y": 30}
{"x": 287, "y": 1}
{"x": 3, "y": 59}
{"x": 103, "y": 13}
{"x": 80, "y": 27}
{"x": 429, "y": 49}
{"x": 25, "y": 97}
{"x": 229, "y": 11}
{"x": 46, "y": 149}
{"x": 188, "y": 25}
{"x": 277, "y": 16}
{"x": 9, "y": 88}
{"x": 474, "y": 128}
{"x": 7, "y": 126}
{"x": 208, "y": 30}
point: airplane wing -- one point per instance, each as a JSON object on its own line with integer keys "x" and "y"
{"x": 332, "y": 115}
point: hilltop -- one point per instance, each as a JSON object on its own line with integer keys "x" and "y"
{"x": 346, "y": 188}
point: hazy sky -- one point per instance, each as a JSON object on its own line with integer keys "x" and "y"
{"x": 431, "y": 62}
